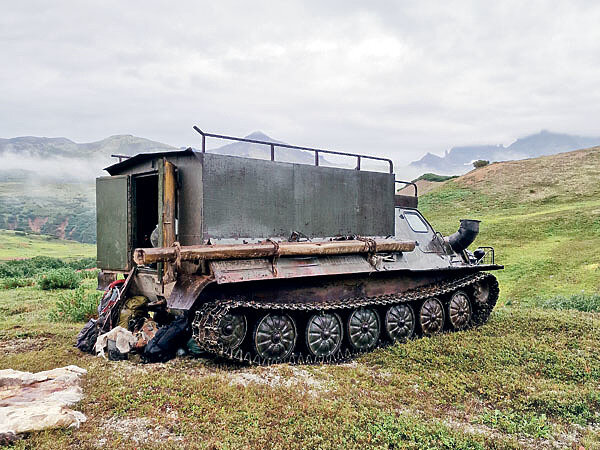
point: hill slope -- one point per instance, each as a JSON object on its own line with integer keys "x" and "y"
{"x": 542, "y": 216}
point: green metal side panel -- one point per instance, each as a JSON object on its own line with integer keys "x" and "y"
{"x": 113, "y": 216}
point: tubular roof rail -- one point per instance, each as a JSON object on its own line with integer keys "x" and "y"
{"x": 273, "y": 145}
{"x": 121, "y": 157}
{"x": 409, "y": 183}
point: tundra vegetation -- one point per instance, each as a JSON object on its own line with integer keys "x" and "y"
{"x": 528, "y": 378}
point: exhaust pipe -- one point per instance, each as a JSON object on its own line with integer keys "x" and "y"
{"x": 466, "y": 234}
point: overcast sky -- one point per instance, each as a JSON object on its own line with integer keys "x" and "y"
{"x": 395, "y": 78}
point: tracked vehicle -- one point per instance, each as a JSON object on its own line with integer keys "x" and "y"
{"x": 275, "y": 261}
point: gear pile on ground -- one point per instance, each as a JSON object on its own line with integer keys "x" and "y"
{"x": 133, "y": 325}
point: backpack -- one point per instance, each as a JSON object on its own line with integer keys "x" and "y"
{"x": 108, "y": 314}
{"x": 86, "y": 339}
{"x": 133, "y": 309}
{"x": 167, "y": 340}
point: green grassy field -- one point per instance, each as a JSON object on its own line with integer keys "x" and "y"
{"x": 529, "y": 378}
{"x": 543, "y": 220}
{"x": 18, "y": 245}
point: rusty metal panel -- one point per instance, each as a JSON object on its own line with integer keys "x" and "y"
{"x": 236, "y": 271}
{"x": 406, "y": 201}
{"x": 375, "y": 204}
{"x": 249, "y": 198}
{"x": 167, "y": 187}
{"x": 113, "y": 216}
{"x": 186, "y": 290}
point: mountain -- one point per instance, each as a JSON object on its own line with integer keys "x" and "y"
{"x": 42, "y": 147}
{"x": 458, "y": 160}
{"x": 260, "y": 151}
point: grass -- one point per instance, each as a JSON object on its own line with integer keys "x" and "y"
{"x": 435, "y": 177}
{"x": 580, "y": 302}
{"x": 530, "y": 377}
{"x": 19, "y": 245}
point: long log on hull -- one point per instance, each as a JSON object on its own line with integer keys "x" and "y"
{"x": 268, "y": 248}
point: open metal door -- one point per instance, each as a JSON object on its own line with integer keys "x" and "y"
{"x": 113, "y": 218}
{"x": 167, "y": 210}
{"x": 167, "y": 197}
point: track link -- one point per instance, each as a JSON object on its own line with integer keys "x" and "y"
{"x": 206, "y": 324}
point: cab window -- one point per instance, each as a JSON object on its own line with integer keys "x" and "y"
{"x": 416, "y": 223}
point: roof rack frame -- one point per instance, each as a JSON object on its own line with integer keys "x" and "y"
{"x": 274, "y": 145}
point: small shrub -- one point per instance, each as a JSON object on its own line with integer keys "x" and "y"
{"x": 78, "y": 305}
{"x": 515, "y": 423}
{"x": 59, "y": 279}
{"x": 15, "y": 282}
{"x": 88, "y": 274}
{"x": 82, "y": 264}
{"x": 34, "y": 266}
{"x": 480, "y": 163}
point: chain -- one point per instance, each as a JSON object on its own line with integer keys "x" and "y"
{"x": 208, "y": 318}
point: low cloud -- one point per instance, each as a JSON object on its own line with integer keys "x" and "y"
{"x": 55, "y": 169}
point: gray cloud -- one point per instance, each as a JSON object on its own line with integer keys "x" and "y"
{"x": 387, "y": 78}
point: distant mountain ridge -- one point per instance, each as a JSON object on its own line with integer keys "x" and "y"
{"x": 43, "y": 147}
{"x": 458, "y": 159}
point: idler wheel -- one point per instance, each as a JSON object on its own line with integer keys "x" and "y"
{"x": 431, "y": 316}
{"x": 400, "y": 322}
{"x": 275, "y": 336}
{"x": 233, "y": 329}
{"x": 459, "y": 310}
{"x": 363, "y": 329}
{"x": 324, "y": 334}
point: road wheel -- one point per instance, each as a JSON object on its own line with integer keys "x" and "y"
{"x": 233, "y": 329}
{"x": 275, "y": 336}
{"x": 459, "y": 310}
{"x": 431, "y": 316}
{"x": 363, "y": 329}
{"x": 324, "y": 334}
{"x": 400, "y": 322}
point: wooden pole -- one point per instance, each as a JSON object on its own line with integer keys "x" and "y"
{"x": 268, "y": 248}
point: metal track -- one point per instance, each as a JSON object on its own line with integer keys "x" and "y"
{"x": 206, "y": 324}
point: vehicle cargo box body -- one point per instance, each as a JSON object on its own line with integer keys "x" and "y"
{"x": 230, "y": 199}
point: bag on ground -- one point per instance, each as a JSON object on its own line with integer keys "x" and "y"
{"x": 167, "y": 340}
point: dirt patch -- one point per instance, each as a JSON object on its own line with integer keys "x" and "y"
{"x": 139, "y": 430}
{"x": 423, "y": 187}
{"x": 60, "y": 230}
{"x": 36, "y": 224}
{"x": 24, "y": 345}
{"x": 274, "y": 376}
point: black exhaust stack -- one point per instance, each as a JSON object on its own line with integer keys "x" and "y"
{"x": 466, "y": 234}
